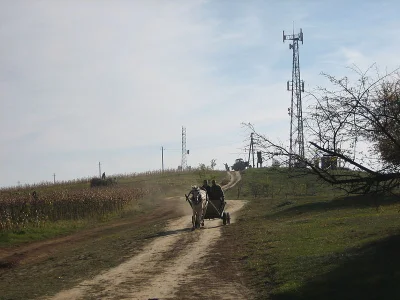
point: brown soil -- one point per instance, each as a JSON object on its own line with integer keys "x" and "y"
{"x": 177, "y": 263}
{"x": 34, "y": 252}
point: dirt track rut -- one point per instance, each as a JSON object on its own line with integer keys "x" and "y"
{"x": 170, "y": 263}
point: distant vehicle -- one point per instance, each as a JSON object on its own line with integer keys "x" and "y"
{"x": 240, "y": 164}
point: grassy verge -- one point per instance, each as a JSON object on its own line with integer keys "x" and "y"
{"x": 71, "y": 264}
{"x": 313, "y": 245}
{"x": 119, "y": 238}
{"x": 158, "y": 186}
{"x": 67, "y": 227}
{"x": 31, "y": 234}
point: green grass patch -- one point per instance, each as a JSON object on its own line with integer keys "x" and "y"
{"x": 157, "y": 186}
{"x": 303, "y": 245}
{"x": 51, "y": 230}
{"x": 67, "y": 267}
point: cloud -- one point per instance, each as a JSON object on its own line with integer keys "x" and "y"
{"x": 82, "y": 82}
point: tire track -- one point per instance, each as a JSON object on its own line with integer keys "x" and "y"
{"x": 235, "y": 177}
{"x": 169, "y": 264}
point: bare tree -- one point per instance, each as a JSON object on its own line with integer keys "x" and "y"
{"x": 213, "y": 164}
{"x": 354, "y": 127}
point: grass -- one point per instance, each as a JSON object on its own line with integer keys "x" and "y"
{"x": 297, "y": 238}
{"x": 158, "y": 186}
{"x": 31, "y": 234}
{"x": 70, "y": 264}
{"x": 299, "y": 244}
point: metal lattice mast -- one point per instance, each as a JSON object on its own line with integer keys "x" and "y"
{"x": 296, "y": 86}
{"x": 184, "y": 152}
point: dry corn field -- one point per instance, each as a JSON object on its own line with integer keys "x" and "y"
{"x": 19, "y": 209}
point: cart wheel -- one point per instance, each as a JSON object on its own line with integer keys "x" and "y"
{"x": 224, "y": 218}
{"x": 228, "y": 218}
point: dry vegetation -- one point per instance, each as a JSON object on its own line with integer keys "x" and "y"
{"x": 19, "y": 209}
{"x": 75, "y": 200}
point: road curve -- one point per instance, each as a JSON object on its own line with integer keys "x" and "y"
{"x": 172, "y": 262}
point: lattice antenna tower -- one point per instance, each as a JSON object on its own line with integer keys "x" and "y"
{"x": 184, "y": 152}
{"x": 296, "y": 86}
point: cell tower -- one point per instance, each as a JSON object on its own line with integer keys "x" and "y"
{"x": 296, "y": 86}
{"x": 184, "y": 152}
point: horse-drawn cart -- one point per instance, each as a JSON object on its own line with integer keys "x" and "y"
{"x": 205, "y": 208}
{"x": 215, "y": 208}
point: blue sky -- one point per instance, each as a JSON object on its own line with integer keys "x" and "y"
{"x": 113, "y": 81}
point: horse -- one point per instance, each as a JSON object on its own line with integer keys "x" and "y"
{"x": 198, "y": 201}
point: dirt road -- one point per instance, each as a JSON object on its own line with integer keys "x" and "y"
{"x": 173, "y": 266}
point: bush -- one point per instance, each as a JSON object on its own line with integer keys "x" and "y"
{"x": 95, "y": 182}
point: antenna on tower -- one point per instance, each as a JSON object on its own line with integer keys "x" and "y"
{"x": 296, "y": 86}
{"x": 184, "y": 152}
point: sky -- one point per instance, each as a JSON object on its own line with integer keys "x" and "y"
{"x": 83, "y": 82}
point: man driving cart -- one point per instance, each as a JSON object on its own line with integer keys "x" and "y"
{"x": 216, "y": 192}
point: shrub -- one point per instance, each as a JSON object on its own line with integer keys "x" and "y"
{"x": 95, "y": 182}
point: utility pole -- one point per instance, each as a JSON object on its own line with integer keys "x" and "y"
{"x": 184, "y": 152}
{"x": 54, "y": 177}
{"x": 251, "y": 148}
{"x": 259, "y": 159}
{"x": 99, "y": 170}
{"x": 162, "y": 159}
{"x": 296, "y": 86}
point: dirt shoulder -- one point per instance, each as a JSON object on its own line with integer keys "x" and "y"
{"x": 11, "y": 257}
{"x": 48, "y": 267}
{"x": 167, "y": 267}
{"x": 136, "y": 259}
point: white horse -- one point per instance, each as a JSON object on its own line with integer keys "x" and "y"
{"x": 198, "y": 201}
